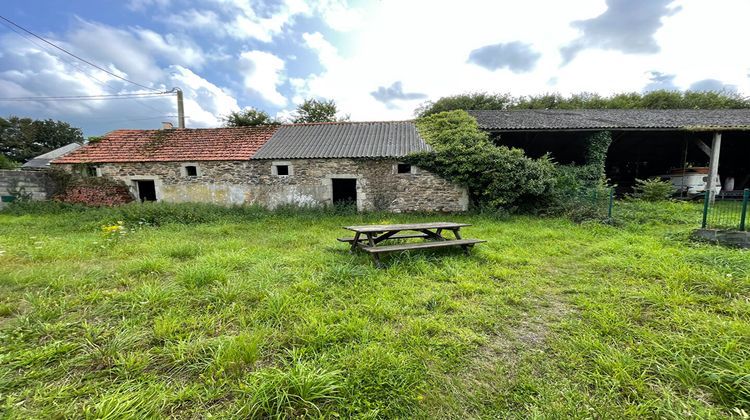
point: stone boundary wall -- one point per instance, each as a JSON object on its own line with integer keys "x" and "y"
{"x": 731, "y": 238}
{"x": 379, "y": 186}
{"x": 36, "y": 185}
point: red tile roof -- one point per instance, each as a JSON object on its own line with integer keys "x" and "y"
{"x": 179, "y": 144}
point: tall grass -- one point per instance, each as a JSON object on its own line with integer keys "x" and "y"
{"x": 240, "y": 312}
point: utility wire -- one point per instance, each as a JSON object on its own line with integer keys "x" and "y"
{"x": 86, "y": 97}
{"x": 75, "y": 56}
{"x": 72, "y": 62}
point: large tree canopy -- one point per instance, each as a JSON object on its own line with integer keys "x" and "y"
{"x": 248, "y": 117}
{"x": 315, "y": 111}
{"x": 659, "y": 99}
{"x": 24, "y": 138}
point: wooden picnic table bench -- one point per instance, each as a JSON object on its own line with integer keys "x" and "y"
{"x": 368, "y": 237}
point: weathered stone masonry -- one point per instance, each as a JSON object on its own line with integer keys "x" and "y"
{"x": 29, "y": 184}
{"x": 379, "y": 186}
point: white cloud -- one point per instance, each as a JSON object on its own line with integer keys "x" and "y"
{"x": 264, "y": 72}
{"x": 239, "y": 19}
{"x": 328, "y": 55}
{"x": 393, "y": 45}
{"x": 338, "y": 15}
{"x": 142, "y": 5}
{"x": 205, "y": 103}
{"x": 31, "y": 70}
{"x": 425, "y": 45}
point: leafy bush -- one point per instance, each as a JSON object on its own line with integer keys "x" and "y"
{"x": 6, "y": 163}
{"x": 653, "y": 189}
{"x": 495, "y": 175}
{"x": 581, "y": 191}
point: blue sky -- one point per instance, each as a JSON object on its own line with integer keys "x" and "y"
{"x": 379, "y": 59}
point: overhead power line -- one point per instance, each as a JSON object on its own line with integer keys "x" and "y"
{"x": 86, "y": 97}
{"x": 75, "y": 56}
{"x": 72, "y": 62}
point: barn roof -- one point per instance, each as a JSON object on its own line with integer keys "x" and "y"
{"x": 42, "y": 161}
{"x": 293, "y": 141}
{"x": 343, "y": 140}
{"x": 180, "y": 144}
{"x": 614, "y": 119}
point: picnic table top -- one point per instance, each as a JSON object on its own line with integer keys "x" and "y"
{"x": 410, "y": 226}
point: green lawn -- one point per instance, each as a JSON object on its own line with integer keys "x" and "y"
{"x": 255, "y": 314}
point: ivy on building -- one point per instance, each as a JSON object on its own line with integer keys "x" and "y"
{"x": 495, "y": 176}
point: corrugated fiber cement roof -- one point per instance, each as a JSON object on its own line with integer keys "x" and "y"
{"x": 343, "y": 140}
{"x": 614, "y": 119}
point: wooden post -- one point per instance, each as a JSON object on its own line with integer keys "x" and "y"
{"x": 713, "y": 167}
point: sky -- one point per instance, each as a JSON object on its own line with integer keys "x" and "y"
{"x": 378, "y": 59}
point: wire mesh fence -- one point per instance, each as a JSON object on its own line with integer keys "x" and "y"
{"x": 596, "y": 202}
{"x": 727, "y": 212}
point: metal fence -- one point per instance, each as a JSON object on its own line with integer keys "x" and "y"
{"x": 597, "y": 202}
{"x": 728, "y": 212}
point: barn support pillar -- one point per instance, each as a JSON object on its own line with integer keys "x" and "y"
{"x": 713, "y": 167}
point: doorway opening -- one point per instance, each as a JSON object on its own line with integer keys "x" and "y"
{"x": 146, "y": 190}
{"x": 344, "y": 191}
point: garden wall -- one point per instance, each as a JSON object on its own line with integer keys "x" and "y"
{"x": 33, "y": 185}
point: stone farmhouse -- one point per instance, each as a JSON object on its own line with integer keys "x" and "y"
{"x": 297, "y": 164}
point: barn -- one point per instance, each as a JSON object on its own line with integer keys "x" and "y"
{"x": 645, "y": 143}
{"x": 358, "y": 163}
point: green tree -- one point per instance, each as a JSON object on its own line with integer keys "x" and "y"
{"x": 317, "y": 110}
{"x": 24, "y": 138}
{"x": 466, "y": 101}
{"x": 248, "y": 117}
{"x": 659, "y": 99}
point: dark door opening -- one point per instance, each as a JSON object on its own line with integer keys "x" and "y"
{"x": 344, "y": 191}
{"x": 146, "y": 190}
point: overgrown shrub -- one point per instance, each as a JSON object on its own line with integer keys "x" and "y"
{"x": 92, "y": 191}
{"x": 6, "y": 163}
{"x": 653, "y": 189}
{"x": 494, "y": 175}
{"x": 581, "y": 191}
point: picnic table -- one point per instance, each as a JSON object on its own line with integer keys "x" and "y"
{"x": 368, "y": 237}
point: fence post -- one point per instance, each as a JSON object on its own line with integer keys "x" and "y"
{"x": 611, "y": 202}
{"x": 706, "y": 202}
{"x": 743, "y": 212}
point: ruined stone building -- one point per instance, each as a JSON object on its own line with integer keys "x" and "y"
{"x": 298, "y": 164}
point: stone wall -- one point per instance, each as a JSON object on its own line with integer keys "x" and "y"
{"x": 732, "y": 238}
{"x": 379, "y": 186}
{"x": 34, "y": 185}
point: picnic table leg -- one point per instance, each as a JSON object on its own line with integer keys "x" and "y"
{"x": 432, "y": 235}
{"x": 355, "y": 242}
{"x": 457, "y": 234}
{"x": 375, "y": 256}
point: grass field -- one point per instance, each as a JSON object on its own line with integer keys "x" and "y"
{"x": 232, "y": 313}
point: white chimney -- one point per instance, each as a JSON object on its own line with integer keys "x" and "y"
{"x": 166, "y": 125}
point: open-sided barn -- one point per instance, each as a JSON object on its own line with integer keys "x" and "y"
{"x": 645, "y": 143}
